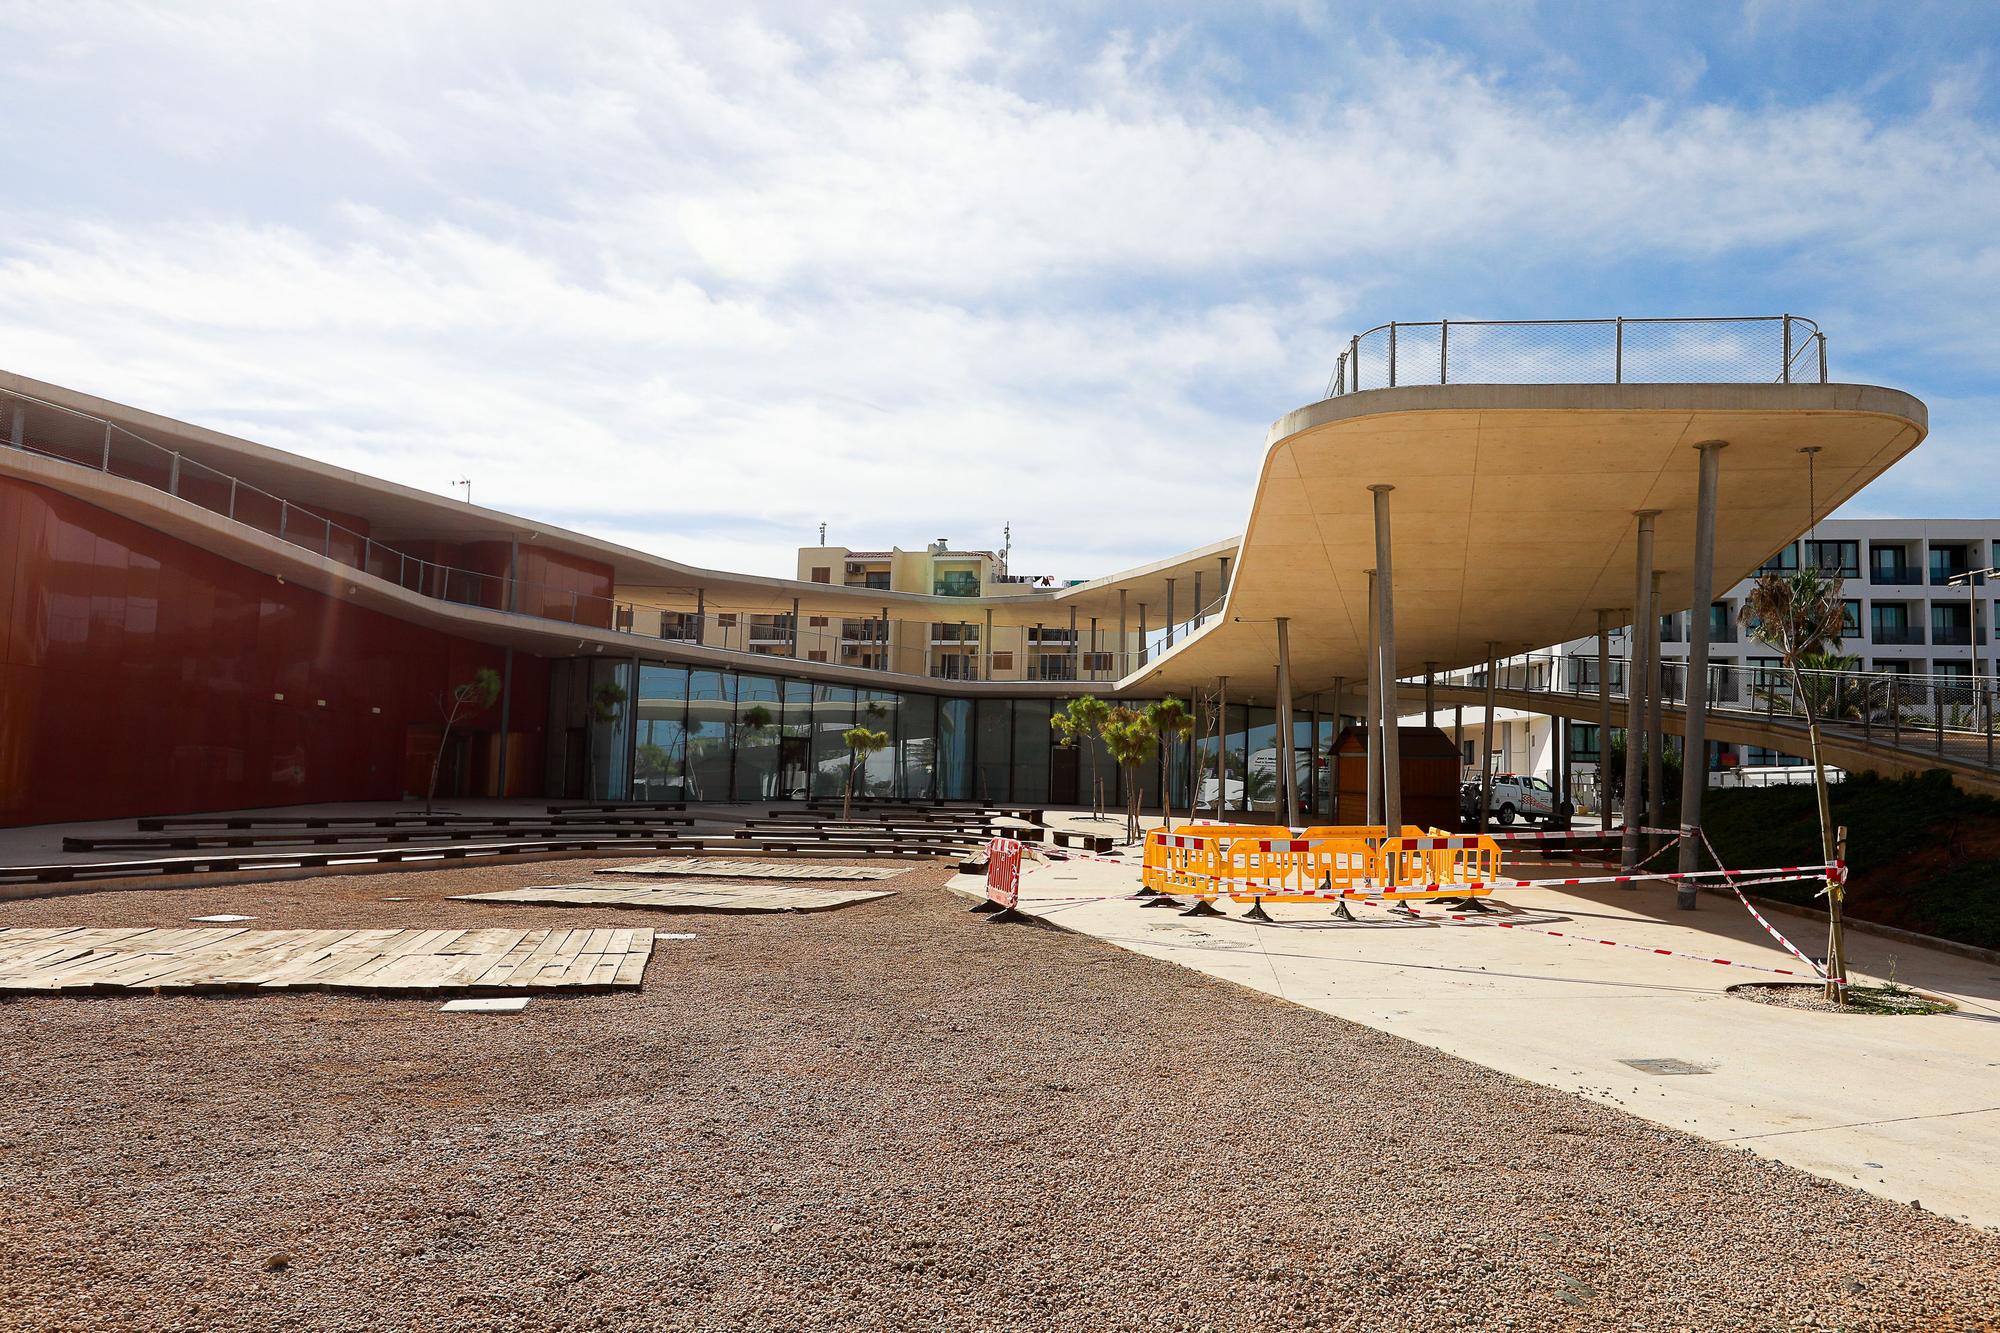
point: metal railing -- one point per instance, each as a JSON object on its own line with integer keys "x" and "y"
{"x": 938, "y": 647}
{"x": 1723, "y": 349}
{"x": 1946, "y": 714}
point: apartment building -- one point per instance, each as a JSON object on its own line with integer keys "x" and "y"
{"x": 1917, "y": 598}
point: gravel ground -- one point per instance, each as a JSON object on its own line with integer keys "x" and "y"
{"x": 889, "y": 1116}
{"x": 1863, "y": 1001}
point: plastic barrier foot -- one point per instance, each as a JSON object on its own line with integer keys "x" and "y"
{"x": 1161, "y": 900}
{"x": 1400, "y": 909}
{"x": 1202, "y": 907}
{"x": 1257, "y": 912}
{"x": 1008, "y": 915}
{"x": 987, "y": 905}
{"x": 1340, "y": 912}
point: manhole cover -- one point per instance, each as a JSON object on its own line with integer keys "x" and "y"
{"x": 1660, "y": 1065}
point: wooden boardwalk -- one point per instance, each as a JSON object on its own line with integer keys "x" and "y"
{"x": 670, "y": 897}
{"x": 723, "y": 867}
{"x": 79, "y": 958}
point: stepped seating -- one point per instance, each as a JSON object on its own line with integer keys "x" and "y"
{"x": 160, "y": 823}
{"x": 194, "y": 839}
{"x": 279, "y": 858}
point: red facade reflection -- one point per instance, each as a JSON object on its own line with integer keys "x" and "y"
{"x": 142, "y": 675}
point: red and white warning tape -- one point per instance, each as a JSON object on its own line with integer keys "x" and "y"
{"x": 1840, "y": 873}
{"x": 1643, "y": 948}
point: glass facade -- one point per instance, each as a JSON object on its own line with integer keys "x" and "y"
{"x": 705, "y": 735}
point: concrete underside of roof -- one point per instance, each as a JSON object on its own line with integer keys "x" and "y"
{"x": 1513, "y": 515}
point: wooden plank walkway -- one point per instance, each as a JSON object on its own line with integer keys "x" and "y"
{"x": 36, "y": 960}
{"x": 671, "y": 897}
{"x": 722, "y": 867}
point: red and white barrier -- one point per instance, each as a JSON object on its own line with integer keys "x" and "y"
{"x": 1003, "y": 873}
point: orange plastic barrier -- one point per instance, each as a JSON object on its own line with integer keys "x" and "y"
{"x": 1252, "y": 863}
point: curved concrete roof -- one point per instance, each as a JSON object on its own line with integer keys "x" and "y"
{"x": 1513, "y": 512}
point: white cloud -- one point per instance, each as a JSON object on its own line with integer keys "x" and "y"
{"x": 908, "y": 273}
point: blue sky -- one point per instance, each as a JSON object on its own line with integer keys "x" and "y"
{"x": 702, "y": 277}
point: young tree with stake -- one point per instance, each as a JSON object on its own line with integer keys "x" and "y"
{"x": 1131, "y": 740}
{"x": 1082, "y": 720}
{"x": 1799, "y": 615}
{"x": 1170, "y": 721}
{"x": 860, "y": 742}
{"x": 461, "y": 700}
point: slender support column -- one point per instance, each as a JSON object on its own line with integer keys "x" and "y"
{"x": 1458, "y": 733}
{"x": 1222, "y": 579}
{"x": 1288, "y": 769}
{"x": 506, "y": 711}
{"x": 1492, "y": 730}
{"x": 1333, "y": 754}
{"x": 1372, "y": 723}
{"x": 795, "y": 628}
{"x": 1124, "y": 642}
{"x": 1430, "y": 694}
{"x": 1603, "y": 719}
{"x": 986, "y": 643}
{"x": 1170, "y": 613}
{"x": 1144, "y": 655}
{"x": 1635, "y": 685}
{"x": 1656, "y": 741}
{"x": 1312, "y": 759}
{"x": 1694, "y": 749}
{"x": 1221, "y": 745}
{"x": 1392, "y": 743}
{"x": 700, "y": 614}
{"x": 1094, "y": 673}
{"x": 1074, "y": 674}
{"x": 1197, "y": 599}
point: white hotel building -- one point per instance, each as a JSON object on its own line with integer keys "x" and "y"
{"x": 1904, "y": 615}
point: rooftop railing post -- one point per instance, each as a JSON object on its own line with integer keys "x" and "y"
{"x": 1354, "y": 358}
{"x": 1787, "y": 373}
{"x": 367, "y": 552}
{"x": 107, "y": 448}
{"x": 1822, "y": 357}
{"x": 1618, "y": 350}
{"x": 174, "y": 474}
{"x": 284, "y": 517}
{"x": 232, "y": 499}
{"x": 1444, "y": 349}
{"x": 326, "y": 546}
{"x": 1392, "y": 353}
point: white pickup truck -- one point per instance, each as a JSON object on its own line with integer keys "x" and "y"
{"x": 1517, "y": 795}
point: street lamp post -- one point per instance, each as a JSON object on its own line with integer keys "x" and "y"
{"x": 1971, "y": 579}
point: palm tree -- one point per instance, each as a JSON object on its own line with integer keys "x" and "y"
{"x": 1799, "y": 615}
{"x": 860, "y": 741}
{"x": 1081, "y": 720}
{"x": 1835, "y": 686}
{"x": 1169, "y": 720}
{"x": 1130, "y": 739}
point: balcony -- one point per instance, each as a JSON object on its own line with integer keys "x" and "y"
{"x": 956, "y": 584}
{"x": 1902, "y": 576}
{"x": 1951, "y": 636}
{"x": 1897, "y": 634}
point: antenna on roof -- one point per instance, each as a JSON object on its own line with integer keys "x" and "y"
{"x": 822, "y": 534}
{"x": 467, "y": 483}
{"x": 1007, "y": 544}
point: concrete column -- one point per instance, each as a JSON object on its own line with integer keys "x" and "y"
{"x": 1221, "y": 745}
{"x": 700, "y": 614}
{"x": 1430, "y": 694}
{"x": 1144, "y": 656}
{"x": 986, "y": 642}
{"x": 1197, "y": 598}
{"x": 1604, "y": 718}
{"x": 1694, "y": 749}
{"x": 1458, "y": 732}
{"x": 1656, "y": 742}
{"x": 1170, "y": 613}
{"x": 1073, "y": 663}
{"x": 1385, "y": 588}
{"x": 1635, "y": 684}
{"x": 1222, "y": 583}
{"x": 1093, "y": 648}
{"x": 1287, "y": 763}
{"x": 795, "y": 628}
{"x": 1124, "y": 642}
{"x": 1372, "y": 723}
{"x": 1486, "y": 743}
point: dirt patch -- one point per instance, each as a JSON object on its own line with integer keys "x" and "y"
{"x": 1877, "y": 1000}
{"x": 892, "y": 1116}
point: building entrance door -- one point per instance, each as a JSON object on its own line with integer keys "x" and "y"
{"x": 1063, "y": 767}
{"x": 794, "y": 761}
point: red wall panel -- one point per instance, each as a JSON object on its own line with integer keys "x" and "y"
{"x": 141, "y": 675}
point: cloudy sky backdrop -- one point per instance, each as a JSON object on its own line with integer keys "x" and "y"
{"x": 701, "y": 277}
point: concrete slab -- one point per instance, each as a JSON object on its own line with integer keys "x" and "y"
{"x": 680, "y": 897}
{"x": 1827, "y": 1093}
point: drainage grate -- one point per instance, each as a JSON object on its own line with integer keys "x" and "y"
{"x": 1662, "y": 1065}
